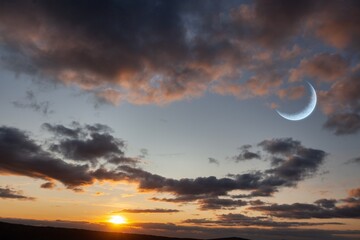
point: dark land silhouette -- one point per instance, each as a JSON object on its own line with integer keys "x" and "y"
{"x": 25, "y": 232}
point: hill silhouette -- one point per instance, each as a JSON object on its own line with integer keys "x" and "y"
{"x": 25, "y": 232}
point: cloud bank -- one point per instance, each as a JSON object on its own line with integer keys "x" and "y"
{"x": 159, "y": 52}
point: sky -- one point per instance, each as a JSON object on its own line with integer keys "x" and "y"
{"x": 164, "y": 113}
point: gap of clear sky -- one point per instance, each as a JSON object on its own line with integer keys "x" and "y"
{"x": 163, "y": 112}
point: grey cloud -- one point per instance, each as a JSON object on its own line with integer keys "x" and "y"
{"x": 246, "y": 154}
{"x": 48, "y": 185}
{"x": 213, "y": 161}
{"x": 341, "y": 104}
{"x": 21, "y": 155}
{"x": 321, "y": 209}
{"x": 237, "y": 219}
{"x": 9, "y": 193}
{"x": 220, "y": 203}
{"x": 298, "y": 163}
{"x": 353, "y": 160}
{"x": 32, "y": 103}
{"x": 89, "y": 143}
{"x": 343, "y": 123}
{"x": 326, "y": 203}
{"x": 280, "y": 146}
{"x": 161, "y": 52}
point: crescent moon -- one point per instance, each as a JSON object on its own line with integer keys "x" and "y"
{"x": 306, "y": 111}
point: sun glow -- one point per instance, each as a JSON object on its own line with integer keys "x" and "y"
{"x": 116, "y": 219}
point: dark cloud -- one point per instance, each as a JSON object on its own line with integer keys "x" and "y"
{"x": 281, "y": 19}
{"x": 322, "y": 208}
{"x": 62, "y": 131}
{"x": 326, "y": 203}
{"x": 149, "y": 41}
{"x": 220, "y": 203}
{"x": 298, "y": 163}
{"x": 245, "y": 154}
{"x": 343, "y": 123}
{"x": 168, "y": 51}
{"x": 160, "y": 52}
{"x": 154, "y": 210}
{"x": 256, "y": 202}
{"x": 9, "y": 193}
{"x": 48, "y": 185}
{"x": 88, "y": 143}
{"x": 21, "y": 155}
{"x": 32, "y": 103}
{"x": 280, "y": 146}
{"x": 336, "y": 24}
{"x": 342, "y": 104}
{"x": 237, "y": 219}
{"x": 214, "y": 161}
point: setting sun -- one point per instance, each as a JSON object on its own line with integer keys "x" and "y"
{"x": 116, "y": 219}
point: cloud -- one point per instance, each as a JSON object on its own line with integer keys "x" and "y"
{"x": 9, "y": 193}
{"x": 324, "y": 67}
{"x": 220, "y": 203}
{"x": 149, "y": 61}
{"x": 336, "y": 26}
{"x": 154, "y": 210}
{"x": 290, "y": 53}
{"x": 48, "y": 185}
{"x": 237, "y": 219}
{"x": 21, "y": 155}
{"x": 280, "y": 20}
{"x": 292, "y": 93}
{"x": 32, "y": 103}
{"x": 245, "y": 154}
{"x": 353, "y": 160}
{"x": 181, "y": 50}
{"x": 322, "y": 208}
{"x": 343, "y": 123}
{"x": 341, "y": 104}
{"x": 214, "y": 161}
{"x": 326, "y": 203}
{"x": 296, "y": 164}
{"x": 88, "y": 143}
{"x": 173, "y": 52}
{"x": 280, "y": 146}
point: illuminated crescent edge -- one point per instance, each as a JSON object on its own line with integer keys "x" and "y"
{"x": 306, "y": 111}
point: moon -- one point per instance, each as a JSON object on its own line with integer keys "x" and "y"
{"x": 306, "y": 111}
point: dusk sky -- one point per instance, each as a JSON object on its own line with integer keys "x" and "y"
{"x": 165, "y": 113}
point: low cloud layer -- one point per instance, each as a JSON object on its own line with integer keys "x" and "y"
{"x": 80, "y": 155}
{"x": 321, "y": 209}
{"x": 238, "y": 219}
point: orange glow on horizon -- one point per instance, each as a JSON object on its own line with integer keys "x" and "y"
{"x": 117, "y": 220}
